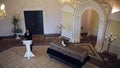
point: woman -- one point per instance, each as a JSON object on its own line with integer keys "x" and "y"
{"x": 28, "y": 35}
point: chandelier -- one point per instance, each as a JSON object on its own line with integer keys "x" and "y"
{"x": 2, "y": 11}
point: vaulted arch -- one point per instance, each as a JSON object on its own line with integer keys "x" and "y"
{"x": 76, "y": 21}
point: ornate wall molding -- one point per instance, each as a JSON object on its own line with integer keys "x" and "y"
{"x": 102, "y": 8}
{"x": 76, "y": 23}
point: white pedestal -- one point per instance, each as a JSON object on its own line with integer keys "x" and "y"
{"x": 28, "y": 53}
{"x": 17, "y": 36}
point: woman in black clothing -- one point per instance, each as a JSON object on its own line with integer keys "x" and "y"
{"x": 28, "y": 35}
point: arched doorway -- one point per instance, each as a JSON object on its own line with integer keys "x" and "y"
{"x": 89, "y": 26}
{"x": 67, "y": 14}
{"x": 76, "y": 22}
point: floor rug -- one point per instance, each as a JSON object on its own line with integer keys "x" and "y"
{"x": 14, "y": 58}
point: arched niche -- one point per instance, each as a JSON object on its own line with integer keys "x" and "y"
{"x": 76, "y": 22}
{"x": 67, "y": 13}
{"x": 103, "y": 11}
{"x": 89, "y": 22}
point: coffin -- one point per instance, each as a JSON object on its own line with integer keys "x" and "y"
{"x": 70, "y": 54}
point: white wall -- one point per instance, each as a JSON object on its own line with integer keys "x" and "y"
{"x": 51, "y": 14}
{"x": 114, "y": 27}
{"x": 85, "y": 22}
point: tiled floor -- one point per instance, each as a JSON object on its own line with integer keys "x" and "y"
{"x": 13, "y": 58}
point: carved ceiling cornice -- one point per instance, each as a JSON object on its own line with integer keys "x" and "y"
{"x": 74, "y": 3}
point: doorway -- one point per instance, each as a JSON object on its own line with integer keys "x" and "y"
{"x": 34, "y": 21}
{"x": 103, "y": 21}
{"x": 89, "y": 26}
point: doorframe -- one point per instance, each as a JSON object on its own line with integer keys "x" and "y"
{"x": 33, "y": 11}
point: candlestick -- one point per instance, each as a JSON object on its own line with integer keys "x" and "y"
{"x": 110, "y": 40}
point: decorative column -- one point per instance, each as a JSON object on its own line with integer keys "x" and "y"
{"x": 101, "y": 35}
{"x": 76, "y": 30}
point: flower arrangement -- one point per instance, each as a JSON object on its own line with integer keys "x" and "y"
{"x": 16, "y": 28}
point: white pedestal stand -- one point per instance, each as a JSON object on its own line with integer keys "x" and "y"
{"x": 17, "y": 36}
{"x": 28, "y": 53}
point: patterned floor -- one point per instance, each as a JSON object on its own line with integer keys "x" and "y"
{"x": 91, "y": 51}
{"x": 13, "y": 58}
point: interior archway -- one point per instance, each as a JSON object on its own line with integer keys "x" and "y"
{"x": 67, "y": 13}
{"x": 90, "y": 22}
{"x": 89, "y": 26}
{"x": 76, "y": 22}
